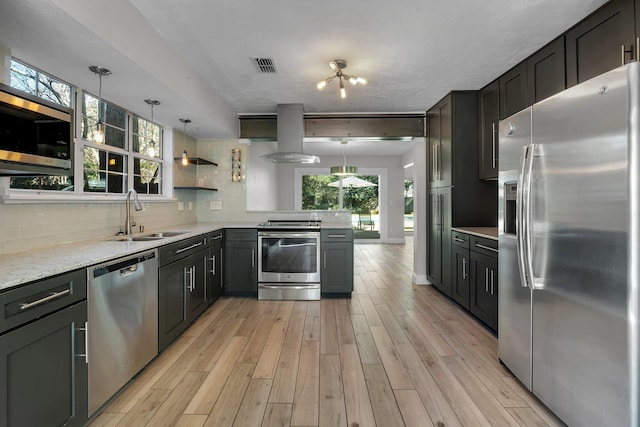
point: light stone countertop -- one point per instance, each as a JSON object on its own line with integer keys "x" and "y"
{"x": 23, "y": 267}
{"x": 487, "y": 232}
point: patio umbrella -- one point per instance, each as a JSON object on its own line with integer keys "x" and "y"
{"x": 352, "y": 182}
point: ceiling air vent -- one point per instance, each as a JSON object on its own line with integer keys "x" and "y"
{"x": 265, "y": 65}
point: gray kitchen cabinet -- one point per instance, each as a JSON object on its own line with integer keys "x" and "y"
{"x": 43, "y": 370}
{"x": 546, "y": 74}
{"x": 483, "y": 298}
{"x": 336, "y": 275}
{"x": 181, "y": 286}
{"x": 513, "y": 90}
{"x": 601, "y": 42}
{"x": 215, "y": 284}
{"x": 439, "y": 240}
{"x": 488, "y": 118}
{"x": 460, "y": 274}
{"x": 241, "y": 262}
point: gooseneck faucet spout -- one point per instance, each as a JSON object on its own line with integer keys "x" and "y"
{"x": 137, "y": 206}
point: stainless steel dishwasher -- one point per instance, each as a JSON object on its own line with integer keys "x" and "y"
{"x": 122, "y": 330}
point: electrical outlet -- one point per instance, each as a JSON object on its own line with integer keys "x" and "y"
{"x": 215, "y": 204}
{"x": 190, "y": 206}
{"x": 180, "y": 206}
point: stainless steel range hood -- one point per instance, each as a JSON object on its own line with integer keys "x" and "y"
{"x": 290, "y": 136}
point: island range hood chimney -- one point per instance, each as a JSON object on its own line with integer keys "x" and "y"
{"x": 290, "y": 136}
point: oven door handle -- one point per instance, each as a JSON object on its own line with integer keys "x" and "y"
{"x": 281, "y": 235}
{"x": 296, "y": 245}
{"x": 312, "y": 286}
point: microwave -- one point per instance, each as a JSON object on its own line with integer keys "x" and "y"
{"x": 36, "y": 136}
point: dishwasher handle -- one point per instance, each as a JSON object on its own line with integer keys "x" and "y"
{"x": 125, "y": 266}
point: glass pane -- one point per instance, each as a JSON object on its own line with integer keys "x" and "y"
{"x": 53, "y": 90}
{"x": 116, "y": 163}
{"x": 316, "y": 193}
{"x": 116, "y": 183}
{"x": 114, "y": 115}
{"x": 149, "y": 171}
{"x": 91, "y": 158}
{"x": 95, "y": 182}
{"x": 39, "y": 84}
{"x": 115, "y": 137}
{"x": 57, "y": 183}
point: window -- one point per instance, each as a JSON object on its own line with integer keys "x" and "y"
{"x": 131, "y": 154}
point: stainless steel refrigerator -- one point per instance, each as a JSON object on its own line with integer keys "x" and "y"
{"x": 569, "y": 245}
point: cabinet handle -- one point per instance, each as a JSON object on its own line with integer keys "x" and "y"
{"x": 481, "y": 246}
{"x": 459, "y": 240}
{"x": 464, "y": 268}
{"x": 337, "y": 236}
{"x": 188, "y": 272}
{"x": 491, "y": 282}
{"x": 622, "y": 55}
{"x": 193, "y": 278}
{"x": 52, "y": 296}
{"x": 253, "y": 258}
{"x": 493, "y": 145}
{"x": 86, "y": 342}
{"x": 433, "y": 163}
{"x": 324, "y": 257}
{"x": 217, "y": 237}
{"x": 637, "y": 49}
{"x": 195, "y": 245}
{"x": 486, "y": 280}
{"x": 213, "y": 265}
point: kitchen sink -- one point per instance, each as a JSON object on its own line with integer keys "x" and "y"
{"x": 161, "y": 234}
{"x": 148, "y": 237}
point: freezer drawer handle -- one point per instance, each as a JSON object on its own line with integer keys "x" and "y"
{"x": 481, "y": 246}
{"x": 51, "y": 297}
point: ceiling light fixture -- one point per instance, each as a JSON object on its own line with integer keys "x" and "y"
{"x": 152, "y": 144}
{"x": 337, "y": 65}
{"x": 100, "y": 71}
{"x": 185, "y": 157}
{"x": 344, "y": 170}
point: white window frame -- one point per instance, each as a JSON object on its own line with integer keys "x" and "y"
{"x": 16, "y": 195}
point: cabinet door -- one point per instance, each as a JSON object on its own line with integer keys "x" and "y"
{"x": 439, "y": 239}
{"x": 546, "y": 72}
{"x": 434, "y": 240}
{"x": 513, "y": 90}
{"x": 241, "y": 268}
{"x": 488, "y": 117}
{"x": 460, "y": 275}
{"x": 601, "y": 42}
{"x": 197, "y": 301}
{"x": 337, "y": 268}
{"x": 440, "y": 150}
{"x": 484, "y": 288}
{"x": 172, "y": 302}
{"x": 214, "y": 273}
{"x": 43, "y": 375}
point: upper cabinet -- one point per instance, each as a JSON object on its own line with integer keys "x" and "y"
{"x": 546, "y": 72}
{"x": 488, "y": 117}
{"x": 513, "y": 90}
{"x": 603, "y": 41}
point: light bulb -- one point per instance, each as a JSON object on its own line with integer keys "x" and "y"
{"x": 152, "y": 149}
{"x": 343, "y": 92}
{"x": 185, "y": 159}
{"x": 353, "y": 80}
{"x": 361, "y": 80}
{"x": 321, "y": 85}
{"x": 99, "y": 136}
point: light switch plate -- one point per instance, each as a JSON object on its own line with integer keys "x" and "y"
{"x": 180, "y": 206}
{"x": 190, "y": 206}
{"x": 215, "y": 204}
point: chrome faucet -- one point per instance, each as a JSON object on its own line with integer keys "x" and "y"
{"x": 136, "y": 203}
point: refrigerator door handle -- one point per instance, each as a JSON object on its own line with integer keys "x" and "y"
{"x": 523, "y": 216}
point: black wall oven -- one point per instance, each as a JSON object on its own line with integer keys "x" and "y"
{"x": 289, "y": 264}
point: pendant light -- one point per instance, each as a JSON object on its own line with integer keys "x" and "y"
{"x": 185, "y": 158}
{"x": 337, "y": 65}
{"x": 100, "y": 71}
{"x": 152, "y": 149}
{"x": 344, "y": 170}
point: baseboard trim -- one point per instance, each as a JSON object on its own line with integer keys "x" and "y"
{"x": 420, "y": 280}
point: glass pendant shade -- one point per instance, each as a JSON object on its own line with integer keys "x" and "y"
{"x": 344, "y": 170}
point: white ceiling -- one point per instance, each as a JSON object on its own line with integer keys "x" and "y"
{"x": 195, "y": 55}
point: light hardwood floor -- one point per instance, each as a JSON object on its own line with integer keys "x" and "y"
{"x": 392, "y": 355}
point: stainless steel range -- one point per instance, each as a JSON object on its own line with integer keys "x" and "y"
{"x": 289, "y": 260}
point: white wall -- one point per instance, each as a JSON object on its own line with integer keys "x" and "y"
{"x": 420, "y": 190}
{"x": 262, "y": 177}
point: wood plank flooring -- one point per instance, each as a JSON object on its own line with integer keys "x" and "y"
{"x": 393, "y": 355}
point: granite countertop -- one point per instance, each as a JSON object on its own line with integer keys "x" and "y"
{"x": 23, "y": 267}
{"x": 487, "y": 232}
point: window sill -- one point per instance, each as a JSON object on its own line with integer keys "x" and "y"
{"x": 34, "y": 196}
